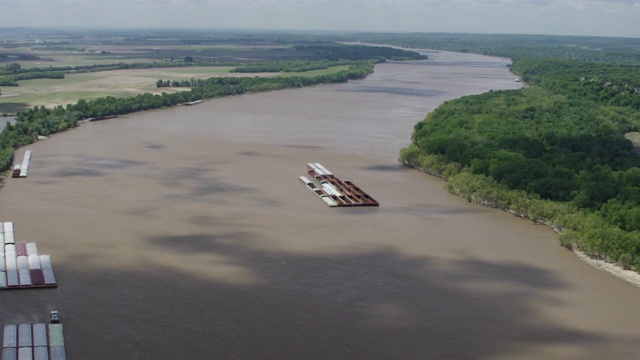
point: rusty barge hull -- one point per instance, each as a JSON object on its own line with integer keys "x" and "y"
{"x": 333, "y": 191}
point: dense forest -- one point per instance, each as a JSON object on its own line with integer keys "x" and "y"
{"x": 555, "y": 152}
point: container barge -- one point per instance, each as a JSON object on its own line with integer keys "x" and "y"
{"x": 21, "y": 267}
{"x": 22, "y": 170}
{"x": 333, "y": 191}
{"x": 33, "y": 342}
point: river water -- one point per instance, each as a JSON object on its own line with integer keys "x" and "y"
{"x": 185, "y": 234}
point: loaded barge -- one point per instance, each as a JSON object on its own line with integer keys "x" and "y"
{"x": 34, "y": 341}
{"x": 22, "y": 170}
{"x": 333, "y": 191}
{"x": 21, "y": 267}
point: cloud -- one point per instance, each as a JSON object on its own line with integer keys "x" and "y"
{"x": 562, "y": 17}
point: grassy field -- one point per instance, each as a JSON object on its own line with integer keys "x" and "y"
{"x": 67, "y": 51}
{"x": 635, "y": 139}
{"x": 89, "y": 86}
{"x": 117, "y": 83}
{"x": 312, "y": 73}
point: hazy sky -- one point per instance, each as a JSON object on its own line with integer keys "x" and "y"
{"x": 559, "y": 17}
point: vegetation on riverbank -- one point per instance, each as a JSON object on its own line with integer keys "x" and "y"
{"x": 555, "y": 152}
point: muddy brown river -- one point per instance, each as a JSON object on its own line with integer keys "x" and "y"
{"x": 186, "y": 234}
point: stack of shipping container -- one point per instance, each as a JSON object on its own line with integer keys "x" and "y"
{"x": 22, "y": 170}
{"x": 33, "y": 342}
{"x": 20, "y": 264}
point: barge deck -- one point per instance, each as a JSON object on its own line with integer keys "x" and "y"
{"x": 21, "y": 266}
{"x": 333, "y": 191}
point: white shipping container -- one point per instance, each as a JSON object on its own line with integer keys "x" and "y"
{"x": 56, "y": 335}
{"x": 1, "y": 238}
{"x": 10, "y": 353}
{"x": 57, "y": 353}
{"x": 11, "y": 263}
{"x": 329, "y": 201}
{"x": 40, "y": 335}
{"x": 23, "y": 262}
{"x": 10, "y": 249}
{"x": 329, "y": 189}
{"x": 12, "y": 278}
{"x": 8, "y": 226}
{"x": 1, "y": 228}
{"x": 324, "y": 169}
{"x": 24, "y": 276}
{"x": 3, "y": 280}
{"x": 40, "y": 353}
{"x": 9, "y": 238}
{"x": 32, "y": 249}
{"x": 10, "y": 336}
{"x": 24, "y": 335}
{"x": 45, "y": 261}
{"x": 34, "y": 262}
{"x": 49, "y": 277}
{"x": 25, "y": 353}
{"x": 2, "y": 263}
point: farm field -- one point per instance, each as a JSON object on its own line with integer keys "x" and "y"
{"x": 89, "y": 86}
{"x": 32, "y": 51}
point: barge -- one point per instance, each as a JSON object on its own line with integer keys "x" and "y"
{"x": 21, "y": 266}
{"x": 195, "y": 102}
{"x": 22, "y": 170}
{"x": 34, "y": 342}
{"x": 333, "y": 191}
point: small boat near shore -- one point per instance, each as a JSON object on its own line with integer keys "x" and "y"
{"x": 195, "y": 102}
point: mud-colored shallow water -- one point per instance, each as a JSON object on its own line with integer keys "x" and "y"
{"x": 186, "y": 234}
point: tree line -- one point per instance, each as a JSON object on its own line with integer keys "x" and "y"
{"x": 555, "y": 152}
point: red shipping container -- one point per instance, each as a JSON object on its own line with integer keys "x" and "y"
{"x": 37, "y": 277}
{"x": 21, "y": 249}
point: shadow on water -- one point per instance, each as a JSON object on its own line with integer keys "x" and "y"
{"x": 375, "y": 305}
{"x": 155, "y": 146}
{"x": 305, "y": 146}
{"x": 387, "y": 167}
{"x": 94, "y": 166}
{"x": 12, "y": 108}
{"x": 396, "y": 91}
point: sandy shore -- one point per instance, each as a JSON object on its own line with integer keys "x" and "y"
{"x": 628, "y": 276}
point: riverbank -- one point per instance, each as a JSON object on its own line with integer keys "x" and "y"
{"x": 628, "y": 276}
